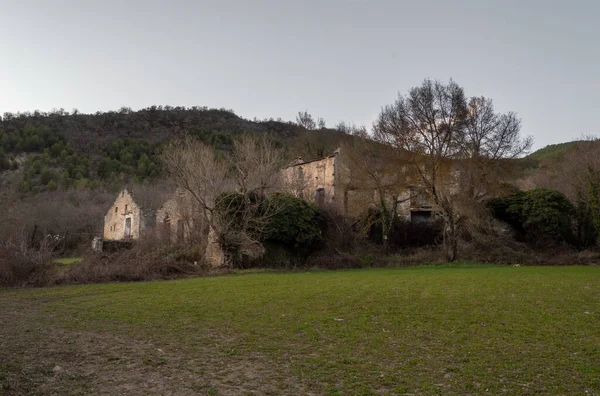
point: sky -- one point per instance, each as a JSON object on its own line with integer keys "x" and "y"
{"x": 341, "y": 60}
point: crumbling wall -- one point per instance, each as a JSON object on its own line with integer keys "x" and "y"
{"x": 179, "y": 219}
{"x": 314, "y": 181}
{"x": 115, "y": 219}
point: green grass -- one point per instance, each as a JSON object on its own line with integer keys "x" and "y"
{"x": 68, "y": 260}
{"x": 424, "y": 330}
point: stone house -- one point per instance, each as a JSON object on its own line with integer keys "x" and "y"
{"x": 179, "y": 218}
{"x": 126, "y": 219}
{"x": 315, "y": 181}
{"x": 331, "y": 182}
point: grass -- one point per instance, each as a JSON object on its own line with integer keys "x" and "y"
{"x": 424, "y": 330}
{"x": 68, "y": 260}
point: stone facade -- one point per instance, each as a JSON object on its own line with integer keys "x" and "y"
{"x": 125, "y": 219}
{"x": 214, "y": 253}
{"x": 329, "y": 183}
{"x": 178, "y": 217}
{"x": 315, "y": 181}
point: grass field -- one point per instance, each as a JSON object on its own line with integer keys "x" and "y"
{"x": 423, "y": 330}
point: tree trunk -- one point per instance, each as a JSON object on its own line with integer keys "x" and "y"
{"x": 450, "y": 242}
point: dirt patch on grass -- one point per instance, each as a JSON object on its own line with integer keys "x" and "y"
{"x": 39, "y": 357}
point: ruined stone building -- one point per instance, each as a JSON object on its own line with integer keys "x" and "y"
{"x": 334, "y": 182}
{"x": 179, "y": 218}
{"x": 126, "y": 219}
{"x": 316, "y": 181}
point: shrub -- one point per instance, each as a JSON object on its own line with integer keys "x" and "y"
{"x": 146, "y": 260}
{"x": 297, "y": 224}
{"x": 24, "y": 267}
{"x": 276, "y": 230}
{"x": 542, "y": 216}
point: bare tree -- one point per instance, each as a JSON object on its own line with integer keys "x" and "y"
{"x": 427, "y": 126}
{"x": 306, "y": 120}
{"x": 229, "y": 189}
{"x": 453, "y": 147}
{"x": 196, "y": 168}
{"x": 490, "y": 139}
{"x": 255, "y": 163}
{"x": 378, "y": 178}
{"x": 321, "y": 124}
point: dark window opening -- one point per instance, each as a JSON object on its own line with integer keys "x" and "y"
{"x": 128, "y": 227}
{"x": 320, "y": 196}
{"x": 420, "y": 216}
{"x": 180, "y": 229}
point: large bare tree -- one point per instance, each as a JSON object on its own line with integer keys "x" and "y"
{"x": 427, "y": 126}
{"x": 377, "y": 177}
{"x": 490, "y": 141}
{"x": 451, "y": 145}
{"x": 229, "y": 187}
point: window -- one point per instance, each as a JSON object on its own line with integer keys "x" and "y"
{"x": 320, "y": 197}
{"x": 116, "y": 209}
{"x": 300, "y": 174}
{"x": 125, "y": 208}
{"x": 128, "y": 227}
{"x": 180, "y": 230}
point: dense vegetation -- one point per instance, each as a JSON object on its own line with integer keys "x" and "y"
{"x": 541, "y": 216}
{"x": 61, "y": 150}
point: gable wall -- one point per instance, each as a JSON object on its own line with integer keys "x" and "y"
{"x": 114, "y": 221}
{"x": 304, "y": 180}
{"x": 179, "y": 208}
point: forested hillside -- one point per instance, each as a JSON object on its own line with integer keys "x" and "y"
{"x": 59, "y": 149}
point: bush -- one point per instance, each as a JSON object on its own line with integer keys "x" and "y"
{"x": 146, "y": 260}
{"x": 542, "y": 217}
{"x": 298, "y": 225}
{"x": 275, "y": 231}
{"x": 24, "y": 267}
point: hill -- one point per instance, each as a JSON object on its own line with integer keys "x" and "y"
{"x": 61, "y": 149}
{"x": 553, "y": 152}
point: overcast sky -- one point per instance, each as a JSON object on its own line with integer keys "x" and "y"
{"x": 340, "y": 59}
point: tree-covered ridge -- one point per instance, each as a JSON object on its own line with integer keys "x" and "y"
{"x": 48, "y": 161}
{"x": 59, "y": 149}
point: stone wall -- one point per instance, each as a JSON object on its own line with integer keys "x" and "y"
{"x": 115, "y": 219}
{"x": 176, "y": 219}
{"x": 327, "y": 182}
{"x": 335, "y": 178}
{"x": 214, "y": 253}
{"x": 313, "y": 181}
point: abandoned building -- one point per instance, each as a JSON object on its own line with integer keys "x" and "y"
{"x": 314, "y": 181}
{"x": 126, "y": 219}
{"x": 331, "y": 182}
{"x": 178, "y": 218}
